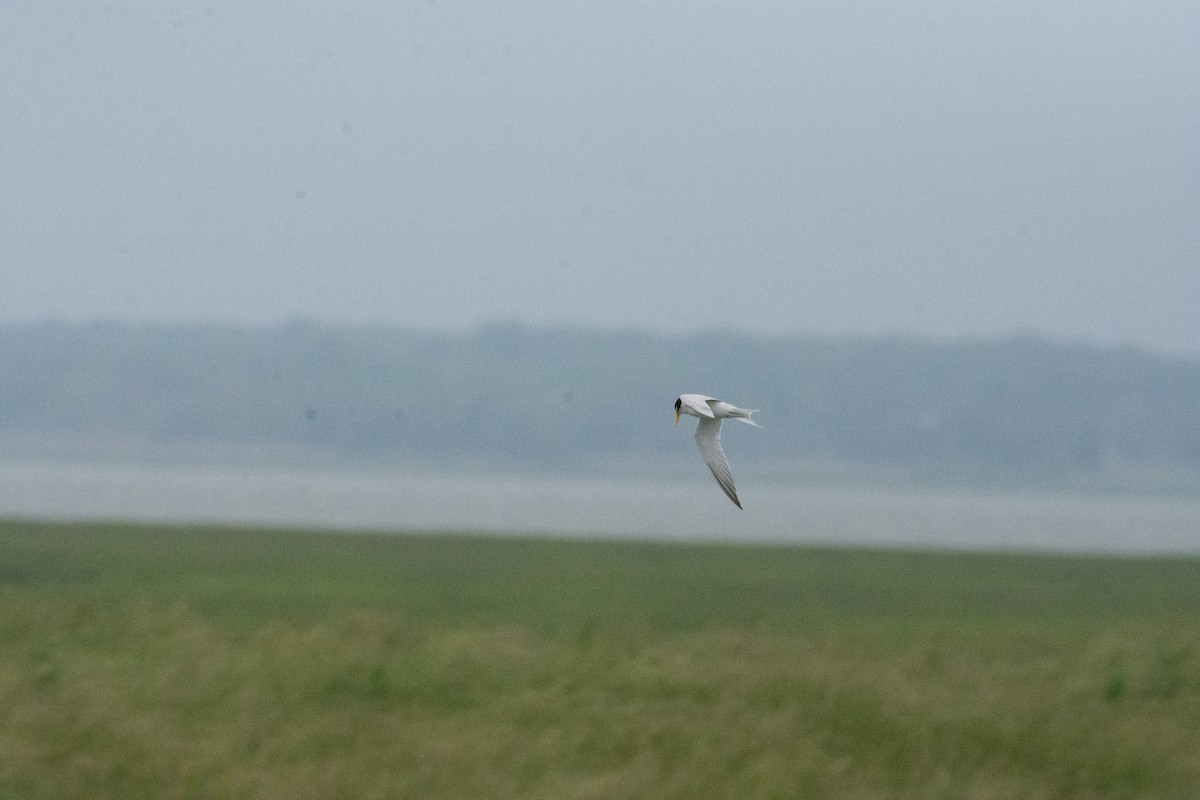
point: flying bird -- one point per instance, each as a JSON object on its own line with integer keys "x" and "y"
{"x": 708, "y": 434}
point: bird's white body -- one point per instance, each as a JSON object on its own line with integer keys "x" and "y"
{"x": 711, "y": 411}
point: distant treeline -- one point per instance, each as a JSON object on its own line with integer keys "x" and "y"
{"x": 566, "y": 398}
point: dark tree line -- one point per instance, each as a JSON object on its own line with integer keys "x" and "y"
{"x": 564, "y": 396}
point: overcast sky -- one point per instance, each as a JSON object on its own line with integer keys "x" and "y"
{"x": 938, "y": 169}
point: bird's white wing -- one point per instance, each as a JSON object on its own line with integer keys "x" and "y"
{"x": 698, "y": 403}
{"x": 708, "y": 437}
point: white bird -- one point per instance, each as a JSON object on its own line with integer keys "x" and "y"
{"x": 708, "y": 433}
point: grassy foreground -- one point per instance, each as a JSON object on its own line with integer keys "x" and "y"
{"x": 163, "y": 662}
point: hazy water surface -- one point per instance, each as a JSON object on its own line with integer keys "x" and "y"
{"x": 549, "y": 505}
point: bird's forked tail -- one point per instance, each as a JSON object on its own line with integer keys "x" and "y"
{"x": 743, "y": 414}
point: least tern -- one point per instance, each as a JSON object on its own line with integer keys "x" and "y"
{"x": 708, "y": 434}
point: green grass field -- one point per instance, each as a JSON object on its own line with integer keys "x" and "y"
{"x": 169, "y": 662}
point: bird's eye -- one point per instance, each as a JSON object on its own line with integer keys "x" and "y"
{"x": 678, "y": 403}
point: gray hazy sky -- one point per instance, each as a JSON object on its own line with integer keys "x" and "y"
{"x": 939, "y": 169}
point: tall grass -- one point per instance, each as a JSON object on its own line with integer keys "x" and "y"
{"x": 219, "y": 662}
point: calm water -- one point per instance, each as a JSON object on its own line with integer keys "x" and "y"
{"x": 691, "y": 510}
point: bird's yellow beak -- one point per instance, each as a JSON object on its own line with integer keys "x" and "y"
{"x": 676, "y": 419}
